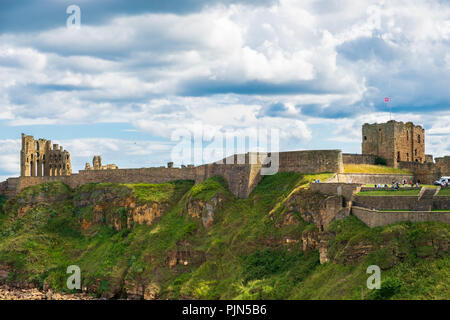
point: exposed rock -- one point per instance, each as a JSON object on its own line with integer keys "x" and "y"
{"x": 313, "y": 207}
{"x": 185, "y": 257}
{"x": 134, "y": 290}
{"x": 12, "y": 293}
{"x": 151, "y": 292}
{"x": 4, "y": 273}
{"x": 204, "y": 210}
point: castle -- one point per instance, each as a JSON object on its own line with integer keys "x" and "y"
{"x": 395, "y": 142}
{"x": 401, "y": 145}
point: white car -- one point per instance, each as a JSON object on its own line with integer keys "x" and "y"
{"x": 442, "y": 181}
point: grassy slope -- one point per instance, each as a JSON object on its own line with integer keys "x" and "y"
{"x": 444, "y": 192}
{"x": 246, "y": 255}
{"x": 368, "y": 168}
{"x": 390, "y": 192}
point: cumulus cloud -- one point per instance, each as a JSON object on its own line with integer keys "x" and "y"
{"x": 288, "y": 64}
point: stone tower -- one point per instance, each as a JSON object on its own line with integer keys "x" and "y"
{"x": 38, "y": 158}
{"x": 97, "y": 162}
{"x": 394, "y": 141}
{"x": 97, "y": 165}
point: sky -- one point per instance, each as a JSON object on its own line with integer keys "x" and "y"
{"x": 136, "y": 72}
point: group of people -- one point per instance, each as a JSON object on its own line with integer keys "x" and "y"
{"x": 396, "y": 185}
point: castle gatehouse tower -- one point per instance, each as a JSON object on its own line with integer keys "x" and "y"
{"x": 394, "y": 141}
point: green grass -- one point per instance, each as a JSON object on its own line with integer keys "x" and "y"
{"x": 243, "y": 255}
{"x": 164, "y": 192}
{"x": 390, "y": 192}
{"x": 369, "y": 168}
{"x": 2, "y": 202}
{"x": 444, "y": 192}
{"x": 398, "y": 210}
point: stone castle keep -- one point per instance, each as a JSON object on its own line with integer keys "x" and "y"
{"x": 401, "y": 145}
{"x": 395, "y": 142}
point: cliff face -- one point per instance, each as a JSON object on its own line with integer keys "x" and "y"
{"x": 180, "y": 240}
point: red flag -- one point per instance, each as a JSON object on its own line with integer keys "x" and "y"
{"x": 386, "y": 99}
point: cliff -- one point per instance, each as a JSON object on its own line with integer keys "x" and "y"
{"x": 179, "y": 240}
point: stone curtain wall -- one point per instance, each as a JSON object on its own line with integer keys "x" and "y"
{"x": 315, "y": 161}
{"x": 368, "y": 178}
{"x": 373, "y": 218}
{"x": 339, "y": 189}
{"x": 444, "y": 165}
{"x": 426, "y": 173}
{"x": 353, "y": 158}
{"x": 241, "y": 178}
{"x": 3, "y": 186}
{"x": 402, "y": 202}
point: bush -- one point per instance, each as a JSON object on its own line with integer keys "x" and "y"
{"x": 380, "y": 161}
{"x": 2, "y": 202}
{"x": 389, "y": 288}
{"x": 267, "y": 262}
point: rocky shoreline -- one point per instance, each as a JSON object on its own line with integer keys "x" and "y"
{"x": 10, "y": 293}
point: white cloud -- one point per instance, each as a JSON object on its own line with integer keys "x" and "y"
{"x": 146, "y": 70}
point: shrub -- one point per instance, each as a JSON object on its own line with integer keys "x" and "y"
{"x": 389, "y": 288}
{"x": 267, "y": 262}
{"x": 2, "y": 202}
{"x": 380, "y": 161}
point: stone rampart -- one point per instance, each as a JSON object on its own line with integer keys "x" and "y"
{"x": 374, "y": 218}
{"x": 402, "y": 202}
{"x": 339, "y": 189}
{"x": 369, "y": 178}
{"x": 444, "y": 165}
{"x": 426, "y": 173}
{"x": 354, "y": 158}
{"x": 315, "y": 161}
{"x": 241, "y": 178}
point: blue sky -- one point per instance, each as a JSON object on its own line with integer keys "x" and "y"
{"x": 138, "y": 71}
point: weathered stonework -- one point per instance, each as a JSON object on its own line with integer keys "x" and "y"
{"x": 374, "y": 218}
{"x": 394, "y": 141}
{"x": 97, "y": 165}
{"x": 39, "y": 159}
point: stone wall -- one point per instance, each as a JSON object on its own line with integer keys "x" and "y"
{"x": 353, "y": 158}
{"x": 241, "y": 178}
{"x": 373, "y": 218}
{"x": 402, "y": 202}
{"x": 144, "y": 175}
{"x": 426, "y": 173}
{"x": 444, "y": 165}
{"x": 315, "y": 161}
{"x": 441, "y": 202}
{"x": 339, "y": 189}
{"x": 3, "y": 187}
{"x": 369, "y": 178}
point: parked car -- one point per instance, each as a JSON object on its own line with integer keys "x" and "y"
{"x": 442, "y": 181}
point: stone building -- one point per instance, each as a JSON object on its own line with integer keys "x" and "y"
{"x": 97, "y": 165}
{"x": 38, "y": 158}
{"x": 395, "y": 142}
